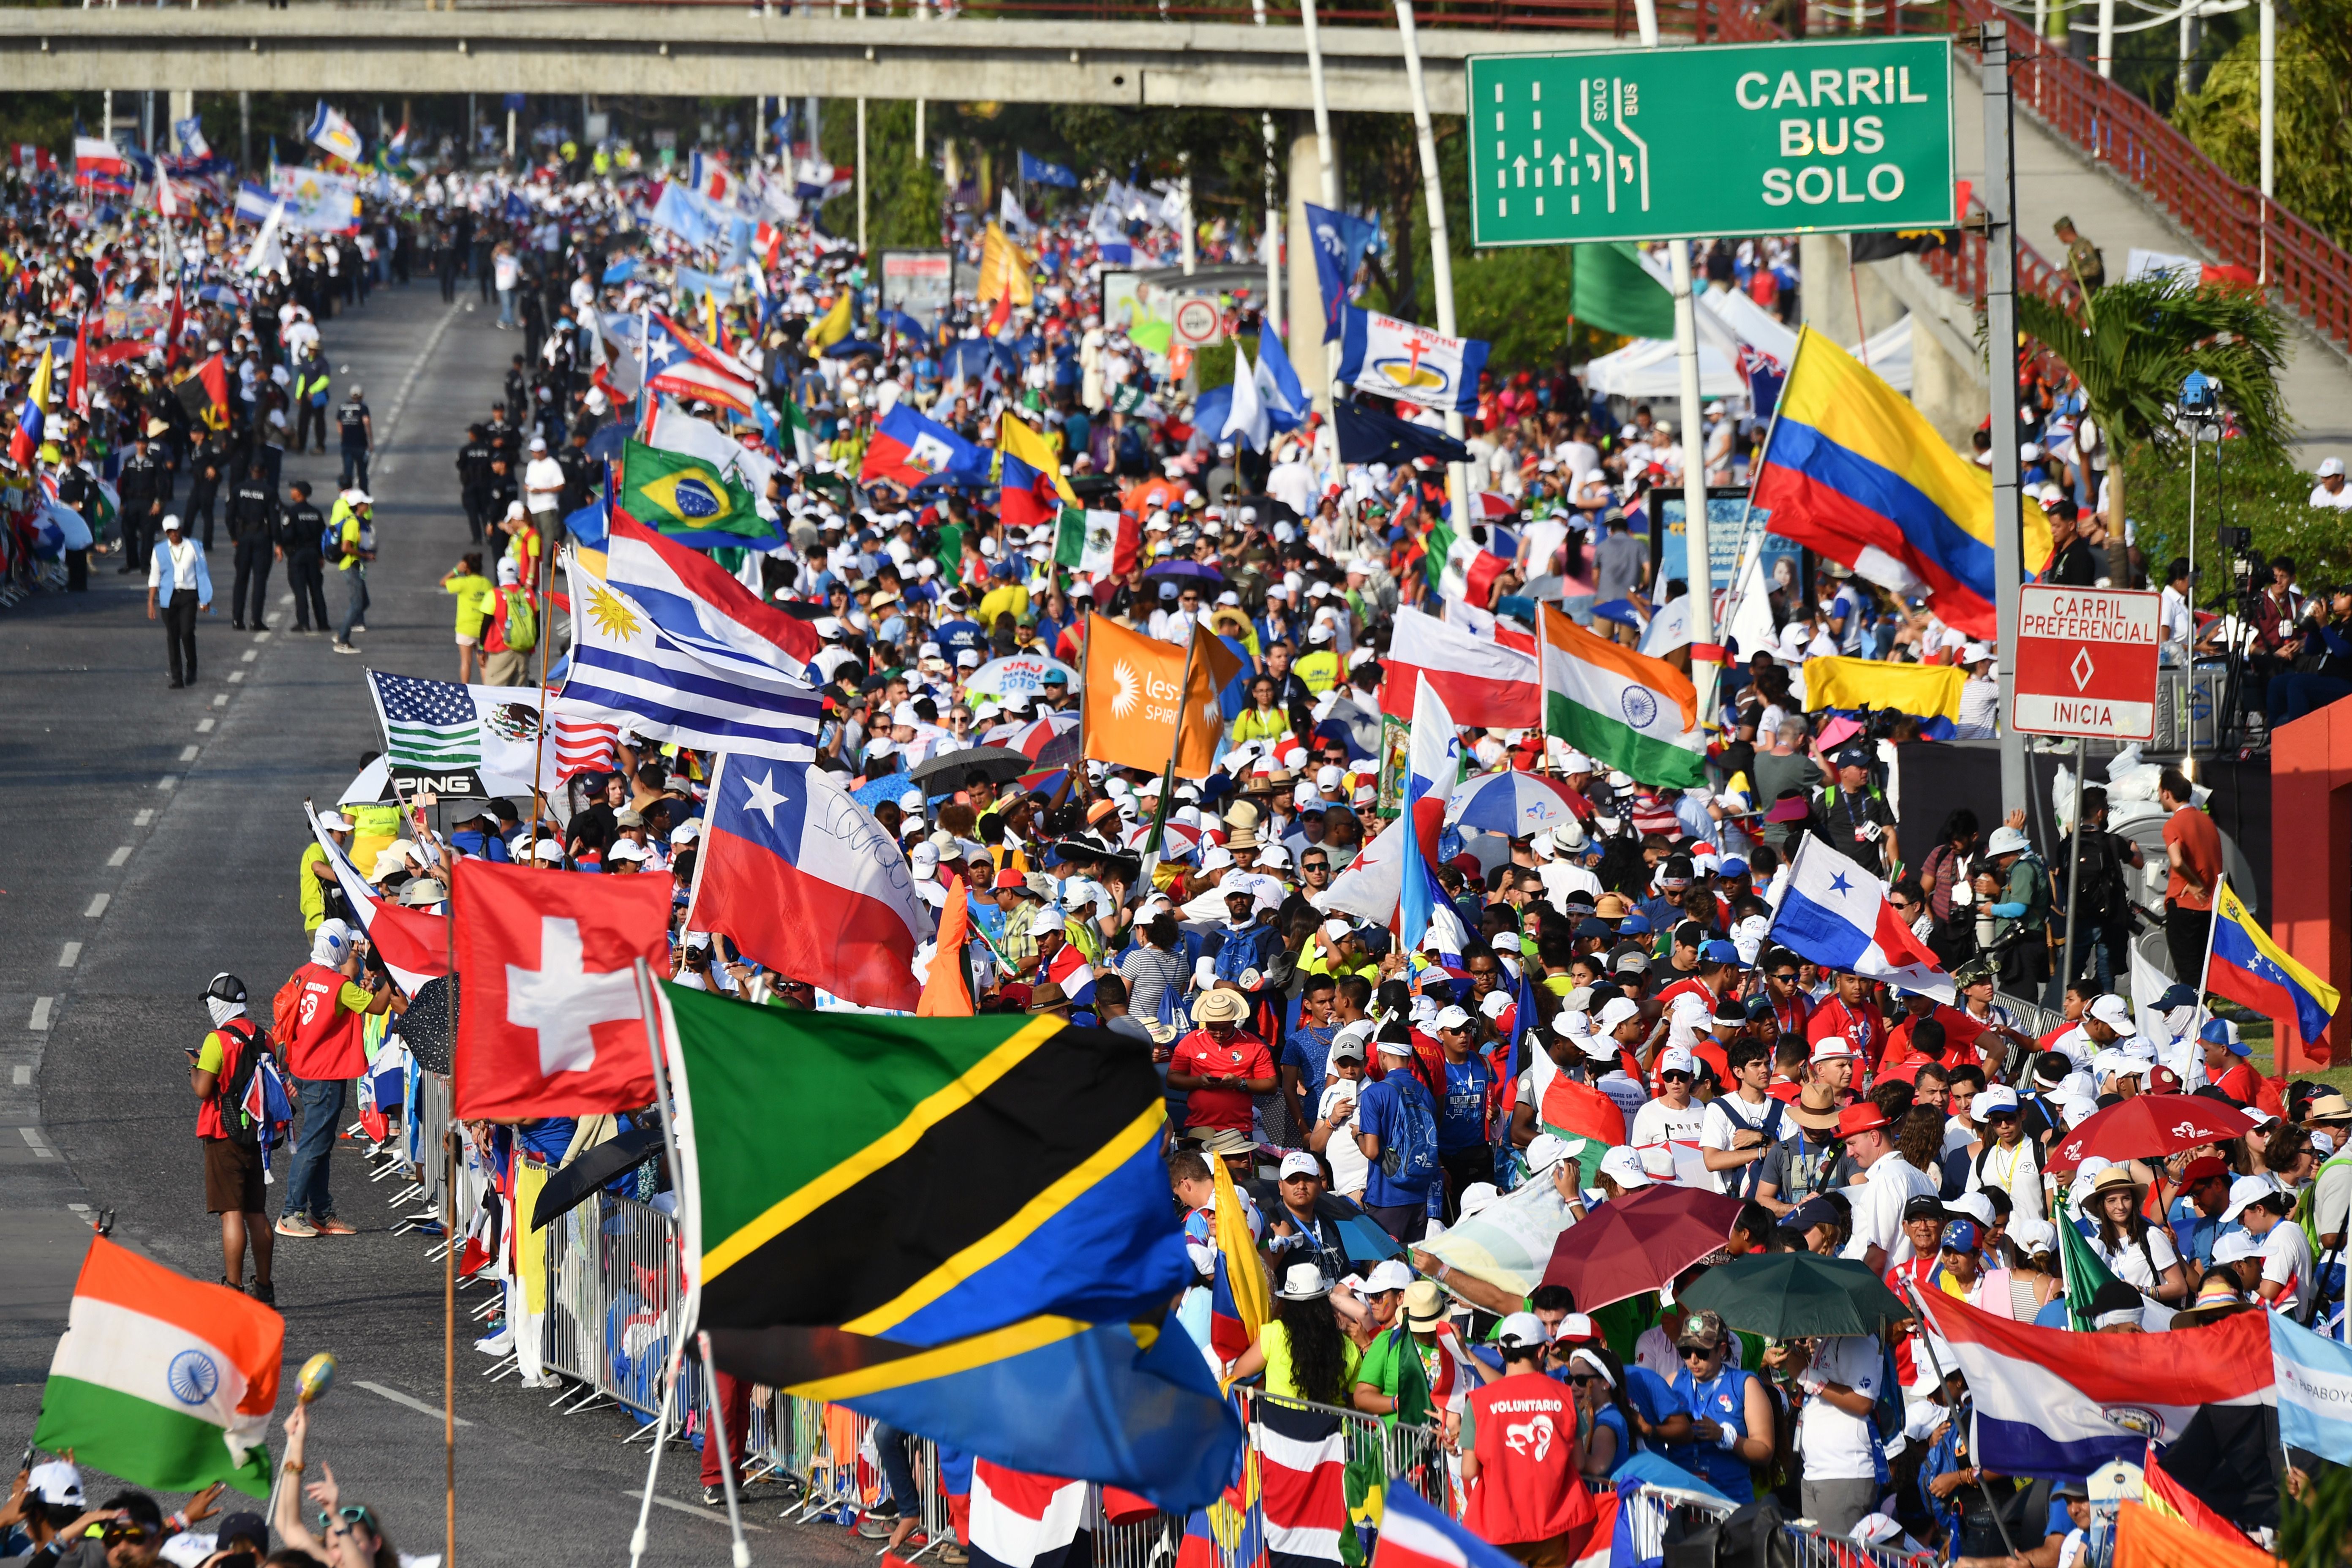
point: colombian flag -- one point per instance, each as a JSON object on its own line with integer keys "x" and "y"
{"x": 2249, "y": 968}
{"x": 31, "y": 418}
{"x": 1853, "y": 471}
{"x": 1033, "y": 489}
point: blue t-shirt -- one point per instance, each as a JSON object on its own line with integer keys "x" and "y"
{"x": 1461, "y": 1120}
{"x": 2193, "y": 1234}
{"x": 959, "y": 635}
{"x": 1723, "y": 1399}
{"x": 1309, "y": 1050}
{"x": 1611, "y": 1419}
{"x": 1652, "y": 1395}
{"x": 1377, "y": 1111}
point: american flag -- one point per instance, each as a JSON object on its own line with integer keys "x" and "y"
{"x": 427, "y": 724}
{"x": 582, "y": 745}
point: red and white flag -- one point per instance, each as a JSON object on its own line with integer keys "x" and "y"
{"x": 584, "y": 744}
{"x": 551, "y": 1025}
{"x": 1302, "y": 1483}
{"x": 1486, "y": 683}
{"x": 1021, "y": 1521}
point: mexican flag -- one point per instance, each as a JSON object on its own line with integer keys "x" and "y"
{"x": 161, "y": 1380}
{"x": 1619, "y": 708}
{"x": 794, "y": 427}
{"x": 1096, "y": 545}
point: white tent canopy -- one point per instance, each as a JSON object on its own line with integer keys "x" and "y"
{"x": 1645, "y": 368}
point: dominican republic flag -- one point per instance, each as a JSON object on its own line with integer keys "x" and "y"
{"x": 1836, "y": 914}
{"x": 805, "y": 880}
{"x": 1069, "y": 970}
{"x": 1414, "y": 1534}
{"x": 1433, "y": 768}
{"x": 1302, "y": 1482}
{"x": 700, "y": 604}
{"x": 101, "y": 165}
{"x": 1485, "y": 682}
{"x": 1021, "y": 1521}
{"x": 2051, "y": 1402}
{"x": 907, "y": 448}
{"x": 413, "y": 944}
{"x": 678, "y": 361}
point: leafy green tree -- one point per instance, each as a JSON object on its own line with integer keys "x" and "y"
{"x": 2132, "y": 344}
{"x": 2313, "y": 78}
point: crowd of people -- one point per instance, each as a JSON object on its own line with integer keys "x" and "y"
{"x": 1627, "y": 947}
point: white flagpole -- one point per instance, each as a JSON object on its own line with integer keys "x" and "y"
{"x": 649, "y": 1008}
{"x": 2278, "y": 1054}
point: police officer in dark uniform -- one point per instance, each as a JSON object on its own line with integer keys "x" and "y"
{"x": 253, "y": 529}
{"x": 73, "y": 491}
{"x": 582, "y": 475}
{"x": 207, "y": 468}
{"x": 299, "y": 528}
{"x": 474, "y": 477}
{"x": 358, "y": 427}
{"x": 499, "y": 490}
{"x": 139, "y": 489}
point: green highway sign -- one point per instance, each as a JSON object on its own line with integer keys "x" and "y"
{"x": 1737, "y": 138}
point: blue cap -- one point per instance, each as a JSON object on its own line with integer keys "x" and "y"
{"x": 1593, "y": 926}
{"x": 1718, "y": 951}
{"x": 2177, "y": 995}
{"x": 1960, "y": 1235}
{"x": 2223, "y": 1032}
{"x": 1735, "y": 867}
{"x": 1759, "y": 1007}
{"x": 1635, "y": 924}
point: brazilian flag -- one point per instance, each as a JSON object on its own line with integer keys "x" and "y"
{"x": 959, "y": 1226}
{"x": 689, "y": 499}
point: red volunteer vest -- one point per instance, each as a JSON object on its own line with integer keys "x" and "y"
{"x": 326, "y": 1038}
{"x": 1527, "y": 1486}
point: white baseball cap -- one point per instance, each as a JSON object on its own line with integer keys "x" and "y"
{"x": 2236, "y": 1245}
{"x": 2115, "y": 1013}
{"x": 1545, "y": 1150}
{"x": 1613, "y": 1012}
{"x": 1521, "y": 1330}
{"x": 1451, "y": 1018}
{"x": 1623, "y": 1166}
{"x": 1387, "y": 1275}
{"x": 1299, "y": 1163}
{"x": 1994, "y": 1096}
{"x": 2330, "y": 466}
{"x": 1676, "y": 1060}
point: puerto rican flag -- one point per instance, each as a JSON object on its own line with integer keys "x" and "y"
{"x": 1021, "y": 1521}
{"x": 1414, "y": 1534}
{"x": 802, "y": 878}
{"x": 2052, "y": 1402}
{"x": 1836, "y": 914}
{"x": 1485, "y": 683}
{"x": 679, "y": 363}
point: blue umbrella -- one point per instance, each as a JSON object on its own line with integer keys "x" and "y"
{"x": 850, "y": 348}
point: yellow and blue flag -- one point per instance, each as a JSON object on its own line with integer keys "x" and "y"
{"x": 1856, "y": 473}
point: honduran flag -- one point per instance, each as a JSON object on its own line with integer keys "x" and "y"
{"x": 909, "y": 448}
{"x": 1415, "y": 1534}
{"x": 1486, "y": 682}
{"x": 1835, "y": 914}
{"x": 1302, "y": 1482}
{"x": 1021, "y": 1521}
{"x": 2051, "y": 1402}
{"x": 2251, "y": 968}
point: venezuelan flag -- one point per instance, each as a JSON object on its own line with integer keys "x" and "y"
{"x": 2251, "y": 968}
{"x": 1033, "y": 491}
{"x": 1856, "y": 473}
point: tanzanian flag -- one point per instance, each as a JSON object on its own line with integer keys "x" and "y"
{"x": 960, "y": 1225}
{"x": 689, "y": 499}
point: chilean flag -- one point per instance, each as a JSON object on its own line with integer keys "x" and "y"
{"x": 1487, "y": 683}
{"x": 2054, "y": 1403}
{"x": 1836, "y": 914}
{"x": 1433, "y": 766}
{"x": 802, "y": 878}
{"x": 907, "y": 448}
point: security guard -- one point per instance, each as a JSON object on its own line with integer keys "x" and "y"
{"x": 142, "y": 488}
{"x": 474, "y": 477}
{"x": 300, "y": 527}
{"x": 311, "y": 389}
{"x": 253, "y": 529}
{"x": 357, "y": 429}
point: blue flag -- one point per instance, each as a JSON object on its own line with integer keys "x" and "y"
{"x": 1037, "y": 172}
{"x": 1342, "y": 241}
{"x": 2314, "y": 1389}
{"x": 1278, "y": 387}
{"x": 685, "y": 216}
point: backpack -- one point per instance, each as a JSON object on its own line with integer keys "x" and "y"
{"x": 331, "y": 542}
{"x": 251, "y": 1044}
{"x": 286, "y": 1007}
{"x": 1411, "y": 1157}
{"x": 522, "y": 622}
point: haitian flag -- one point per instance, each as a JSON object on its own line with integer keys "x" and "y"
{"x": 909, "y": 448}
{"x": 802, "y": 878}
{"x": 1033, "y": 491}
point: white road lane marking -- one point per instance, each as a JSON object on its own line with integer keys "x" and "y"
{"x": 70, "y": 956}
{"x": 399, "y": 1399}
{"x": 97, "y": 906}
{"x": 120, "y": 857}
{"x": 41, "y": 1005}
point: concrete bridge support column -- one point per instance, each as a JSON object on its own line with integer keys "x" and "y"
{"x": 1307, "y": 354}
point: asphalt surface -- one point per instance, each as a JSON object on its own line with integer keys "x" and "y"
{"x": 155, "y": 837}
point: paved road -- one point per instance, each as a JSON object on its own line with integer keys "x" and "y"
{"x": 156, "y": 836}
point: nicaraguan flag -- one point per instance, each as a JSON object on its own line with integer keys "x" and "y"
{"x": 1836, "y": 914}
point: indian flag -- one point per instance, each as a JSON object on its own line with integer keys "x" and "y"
{"x": 1619, "y": 708}
{"x": 161, "y": 1380}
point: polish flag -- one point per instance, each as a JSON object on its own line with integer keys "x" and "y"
{"x": 1487, "y": 684}
{"x": 551, "y": 1025}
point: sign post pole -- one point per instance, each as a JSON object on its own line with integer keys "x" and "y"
{"x": 2000, "y": 336}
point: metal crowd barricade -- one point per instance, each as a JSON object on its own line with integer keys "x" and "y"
{"x": 1816, "y": 1550}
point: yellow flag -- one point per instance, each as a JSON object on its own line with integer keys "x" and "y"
{"x": 1252, "y": 1300}
{"x": 1004, "y": 269}
{"x": 835, "y": 326}
{"x": 1926, "y": 690}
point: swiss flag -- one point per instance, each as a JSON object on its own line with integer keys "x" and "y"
{"x": 551, "y": 1024}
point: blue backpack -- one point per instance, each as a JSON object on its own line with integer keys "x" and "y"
{"x": 1410, "y": 1158}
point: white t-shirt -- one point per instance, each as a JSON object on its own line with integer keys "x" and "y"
{"x": 2131, "y": 1260}
{"x": 1727, "y": 1115}
{"x": 1658, "y": 1122}
{"x": 543, "y": 482}
{"x": 1877, "y": 1207}
{"x": 1838, "y": 1447}
{"x": 2286, "y": 1260}
{"x": 2017, "y": 1172}
{"x": 1350, "y": 1169}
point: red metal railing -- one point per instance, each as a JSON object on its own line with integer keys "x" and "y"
{"x": 1962, "y": 270}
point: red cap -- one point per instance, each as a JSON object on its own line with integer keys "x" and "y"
{"x": 2163, "y": 1080}
{"x": 1009, "y": 878}
{"x": 1862, "y": 1116}
{"x": 2203, "y": 1168}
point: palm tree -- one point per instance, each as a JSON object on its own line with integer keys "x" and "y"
{"x": 2132, "y": 344}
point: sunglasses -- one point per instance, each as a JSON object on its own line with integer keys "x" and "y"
{"x": 1695, "y": 1352}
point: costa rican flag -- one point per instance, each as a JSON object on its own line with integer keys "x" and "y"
{"x": 1302, "y": 1483}
{"x": 1414, "y": 1534}
{"x": 2054, "y": 1403}
{"x": 1021, "y": 1521}
{"x": 1069, "y": 970}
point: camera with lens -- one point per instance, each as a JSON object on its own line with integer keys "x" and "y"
{"x": 2201, "y": 395}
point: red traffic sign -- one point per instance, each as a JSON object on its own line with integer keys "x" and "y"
{"x": 1198, "y": 322}
{"x": 2086, "y": 661}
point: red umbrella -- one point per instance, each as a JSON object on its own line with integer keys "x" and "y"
{"x": 1639, "y": 1242}
{"x": 2149, "y": 1126}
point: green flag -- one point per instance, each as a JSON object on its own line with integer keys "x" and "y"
{"x": 1611, "y": 288}
{"x": 2084, "y": 1273}
{"x": 677, "y": 492}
